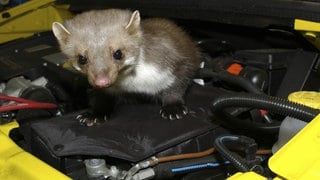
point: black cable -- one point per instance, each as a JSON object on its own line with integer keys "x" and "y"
{"x": 269, "y": 103}
{"x": 245, "y": 84}
{"x": 234, "y": 158}
{"x": 232, "y": 79}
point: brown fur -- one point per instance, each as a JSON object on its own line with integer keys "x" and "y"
{"x": 157, "y": 44}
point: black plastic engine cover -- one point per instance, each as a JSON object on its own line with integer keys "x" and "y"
{"x": 135, "y": 133}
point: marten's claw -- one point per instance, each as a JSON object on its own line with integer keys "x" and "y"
{"x": 173, "y": 111}
{"x": 88, "y": 119}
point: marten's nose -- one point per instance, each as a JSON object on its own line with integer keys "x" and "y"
{"x": 102, "y": 81}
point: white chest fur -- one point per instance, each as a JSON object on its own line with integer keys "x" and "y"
{"x": 149, "y": 78}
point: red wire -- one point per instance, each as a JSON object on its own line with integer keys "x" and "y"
{"x": 24, "y": 104}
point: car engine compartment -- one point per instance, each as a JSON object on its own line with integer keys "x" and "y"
{"x": 238, "y": 102}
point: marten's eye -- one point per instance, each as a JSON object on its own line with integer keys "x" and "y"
{"x": 82, "y": 60}
{"x": 117, "y": 54}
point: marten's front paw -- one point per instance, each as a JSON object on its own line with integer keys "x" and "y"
{"x": 89, "y": 119}
{"x": 173, "y": 111}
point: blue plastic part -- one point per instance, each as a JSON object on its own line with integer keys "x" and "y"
{"x": 198, "y": 166}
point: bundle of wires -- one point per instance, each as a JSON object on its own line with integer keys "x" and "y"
{"x": 169, "y": 166}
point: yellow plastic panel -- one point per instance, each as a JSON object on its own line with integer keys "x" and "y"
{"x": 307, "y": 98}
{"x": 24, "y": 8}
{"x": 300, "y": 157}
{"x": 6, "y": 128}
{"x": 31, "y": 17}
{"x": 310, "y": 30}
{"x": 16, "y": 164}
{"x": 304, "y": 25}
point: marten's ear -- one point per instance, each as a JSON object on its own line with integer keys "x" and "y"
{"x": 60, "y": 32}
{"x": 133, "y": 26}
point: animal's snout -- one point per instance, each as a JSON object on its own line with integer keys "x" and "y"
{"x": 102, "y": 81}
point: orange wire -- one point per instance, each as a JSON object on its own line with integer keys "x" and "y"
{"x": 186, "y": 156}
{"x": 201, "y": 154}
{"x": 263, "y": 151}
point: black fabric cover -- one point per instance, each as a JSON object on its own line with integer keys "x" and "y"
{"x": 136, "y": 131}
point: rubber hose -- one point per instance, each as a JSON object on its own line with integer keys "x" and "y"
{"x": 58, "y": 91}
{"x": 232, "y": 79}
{"x": 234, "y": 158}
{"x": 235, "y": 123}
{"x": 269, "y": 103}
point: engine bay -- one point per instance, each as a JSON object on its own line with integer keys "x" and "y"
{"x": 238, "y": 105}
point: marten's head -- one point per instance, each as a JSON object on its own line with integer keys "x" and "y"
{"x": 101, "y": 43}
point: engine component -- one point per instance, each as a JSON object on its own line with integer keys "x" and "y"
{"x": 168, "y": 170}
{"x": 16, "y": 86}
{"x": 97, "y": 167}
{"x": 6, "y": 117}
{"x": 18, "y": 93}
{"x": 291, "y": 126}
{"x": 118, "y": 137}
{"x": 140, "y": 166}
{"x": 250, "y": 162}
{"x": 288, "y": 128}
{"x": 269, "y": 103}
{"x": 20, "y": 103}
{"x": 239, "y": 81}
{"x": 148, "y": 173}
